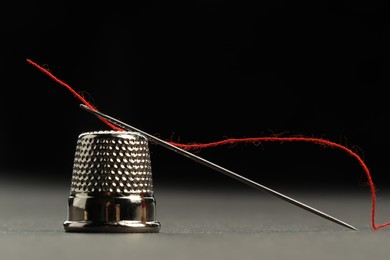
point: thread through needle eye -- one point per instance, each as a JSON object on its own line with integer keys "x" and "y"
{"x": 216, "y": 167}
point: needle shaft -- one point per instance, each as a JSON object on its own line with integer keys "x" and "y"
{"x": 216, "y": 167}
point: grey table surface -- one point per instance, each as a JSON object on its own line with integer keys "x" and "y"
{"x": 198, "y": 224}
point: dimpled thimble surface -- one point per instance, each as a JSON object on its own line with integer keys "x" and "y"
{"x": 112, "y": 185}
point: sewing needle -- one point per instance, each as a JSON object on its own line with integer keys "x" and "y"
{"x": 216, "y": 167}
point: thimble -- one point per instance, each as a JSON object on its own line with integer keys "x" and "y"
{"x": 112, "y": 186}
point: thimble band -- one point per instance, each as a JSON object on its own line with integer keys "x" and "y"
{"x": 110, "y": 213}
{"x": 112, "y": 185}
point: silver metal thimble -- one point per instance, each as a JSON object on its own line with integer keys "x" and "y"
{"x": 112, "y": 185}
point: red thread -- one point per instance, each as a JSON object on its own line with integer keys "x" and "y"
{"x": 319, "y": 141}
{"x": 299, "y": 139}
{"x": 73, "y": 91}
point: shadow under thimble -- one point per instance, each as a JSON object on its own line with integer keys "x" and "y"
{"x": 112, "y": 185}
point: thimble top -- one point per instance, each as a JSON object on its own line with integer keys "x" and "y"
{"x": 112, "y": 161}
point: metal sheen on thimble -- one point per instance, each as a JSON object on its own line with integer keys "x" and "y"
{"x": 112, "y": 185}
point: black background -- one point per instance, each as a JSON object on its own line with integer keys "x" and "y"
{"x": 201, "y": 71}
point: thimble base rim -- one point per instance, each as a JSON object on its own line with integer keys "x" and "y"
{"x": 88, "y": 227}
